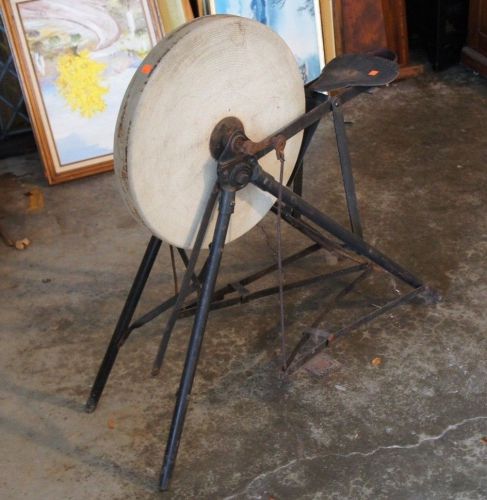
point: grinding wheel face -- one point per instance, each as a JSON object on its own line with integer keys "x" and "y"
{"x": 211, "y": 68}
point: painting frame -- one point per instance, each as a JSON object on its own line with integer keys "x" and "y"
{"x": 174, "y": 14}
{"x": 42, "y": 117}
{"x": 323, "y": 22}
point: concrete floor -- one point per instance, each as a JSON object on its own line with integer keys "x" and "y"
{"x": 412, "y": 427}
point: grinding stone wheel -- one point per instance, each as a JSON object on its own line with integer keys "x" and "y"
{"x": 209, "y": 69}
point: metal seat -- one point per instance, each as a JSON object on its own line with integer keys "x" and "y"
{"x": 357, "y": 70}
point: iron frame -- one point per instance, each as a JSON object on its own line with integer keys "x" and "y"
{"x": 236, "y": 169}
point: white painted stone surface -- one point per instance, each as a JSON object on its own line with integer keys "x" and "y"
{"x": 209, "y": 69}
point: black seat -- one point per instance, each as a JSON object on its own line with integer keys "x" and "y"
{"x": 356, "y": 70}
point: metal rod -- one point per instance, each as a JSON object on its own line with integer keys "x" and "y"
{"x": 354, "y": 325}
{"x": 167, "y": 304}
{"x": 280, "y": 277}
{"x": 380, "y": 310}
{"x": 291, "y": 217}
{"x": 188, "y": 277}
{"x": 346, "y": 290}
{"x": 219, "y": 294}
{"x": 120, "y": 332}
{"x": 266, "y": 182}
{"x": 174, "y": 270}
{"x": 226, "y": 207}
{"x": 297, "y": 179}
{"x": 346, "y": 167}
{"x": 185, "y": 259}
{"x": 303, "y": 122}
{"x": 265, "y": 292}
{"x": 313, "y": 99}
{"x": 184, "y": 256}
{"x": 342, "y": 294}
{"x": 153, "y": 313}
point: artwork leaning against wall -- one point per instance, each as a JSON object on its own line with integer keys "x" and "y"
{"x": 75, "y": 61}
{"x": 301, "y": 23}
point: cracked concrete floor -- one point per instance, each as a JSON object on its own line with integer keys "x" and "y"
{"x": 411, "y": 427}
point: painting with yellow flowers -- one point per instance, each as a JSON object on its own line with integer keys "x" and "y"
{"x": 75, "y": 60}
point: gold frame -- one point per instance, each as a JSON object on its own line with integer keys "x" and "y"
{"x": 174, "y": 13}
{"x": 328, "y": 29}
{"x": 54, "y": 171}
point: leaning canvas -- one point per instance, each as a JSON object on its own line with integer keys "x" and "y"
{"x": 298, "y": 22}
{"x": 75, "y": 61}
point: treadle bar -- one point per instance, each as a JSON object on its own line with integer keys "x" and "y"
{"x": 340, "y": 295}
{"x": 353, "y": 326}
{"x": 333, "y": 302}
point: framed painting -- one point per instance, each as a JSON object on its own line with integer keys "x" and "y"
{"x": 305, "y": 25}
{"x": 75, "y": 61}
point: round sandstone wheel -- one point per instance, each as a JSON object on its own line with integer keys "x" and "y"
{"x": 209, "y": 69}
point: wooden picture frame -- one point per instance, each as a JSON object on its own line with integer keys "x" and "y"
{"x": 75, "y": 61}
{"x": 328, "y": 28}
{"x": 305, "y": 25}
{"x": 174, "y": 13}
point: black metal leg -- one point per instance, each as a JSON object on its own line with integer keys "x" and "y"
{"x": 186, "y": 287}
{"x": 298, "y": 180}
{"x": 266, "y": 182}
{"x": 227, "y": 202}
{"x": 346, "y": 167}
{"x": 120, "y": 333}
{"x": 313, "y": 99}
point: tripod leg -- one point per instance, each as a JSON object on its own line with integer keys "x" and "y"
{"x": 227, "y": 202}
{"x": 186, "y": 287}
{"x": 346, "y": 167}
{"x": 123, "y": 323}
{"x": 298, "y": 181}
